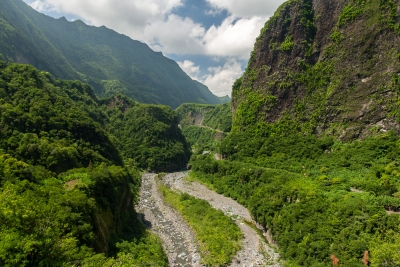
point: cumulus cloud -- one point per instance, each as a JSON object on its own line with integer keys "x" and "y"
{"x": 248, "y": 8}
{"x": 233, "y": 37}
{"x": 175, "y": 35}
{"x": 220, "y": 79}
{"x": 190, "y": 68}
{"x": 114, "y": 14}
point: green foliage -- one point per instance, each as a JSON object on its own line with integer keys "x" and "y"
{"x": 389, "y": 15}
{"x": 49, "y": 126}
{"x": 385, "y": 251}
{"x": 147, "y": 252}
{"x": 218, "y": 235}
{"x": 302, "y": 188}
{"x": 336, "y": 36}
{"x": 148, "y": 134}
{"x": 217, "y": 117}
{"x": 254, "y": 103}
{"x": 288, "y": 44}
{"x": 204, "y": 125}
{"x": 351, "y": 12}
{"x": 202, "y": 139}
{"x": 307, "y": 20}
{"x": 66, "y": 196}
{"x": 44, "y": 224}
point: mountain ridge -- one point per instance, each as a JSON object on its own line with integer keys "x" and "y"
{"x": 110, "y": 62}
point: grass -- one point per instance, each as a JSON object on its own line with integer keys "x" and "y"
{"x": 218, "y": 236}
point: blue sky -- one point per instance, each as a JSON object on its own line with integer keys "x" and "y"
{"x": 210, "y": 39}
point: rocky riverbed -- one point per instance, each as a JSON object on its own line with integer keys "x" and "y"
{"x": 179, "y": 240}
{"x": 255, "y": 251}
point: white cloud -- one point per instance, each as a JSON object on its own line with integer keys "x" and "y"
{"x": 190, "y": 68}
{"x": 248, "y": 8}
{"x": 175, "y": 35}
{"x": 114, "y": 14}
{"x": 233, "y": 37}
{"x": 220, "y": 79}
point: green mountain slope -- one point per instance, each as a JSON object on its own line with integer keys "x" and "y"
{"x": 205, "y": 125}
{"x": 108, "y": 61}
{"x": 314, "y": 147}
{"x": 69, "y": 172}
{"x": 147, "y": 134}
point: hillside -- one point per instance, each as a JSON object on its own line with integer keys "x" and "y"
{"x": 314, "y": 148}
{"x": 69, "y": 174}
{"x": 205, "y": 125}
{"x": 335, "y": 74}
{"x": 108, "y": 61}
{"x": 147, "y": 134}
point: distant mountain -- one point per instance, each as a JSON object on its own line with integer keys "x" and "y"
{"x": 108, "y": 61}
{"x": 225, "y": 99}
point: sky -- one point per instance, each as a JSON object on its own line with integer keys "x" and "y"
{"x": 211, "y": 40}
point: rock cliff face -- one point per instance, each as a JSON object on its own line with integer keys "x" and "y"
{"x": 328, "y": 67}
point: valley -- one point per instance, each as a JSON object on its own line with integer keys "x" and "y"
{"x": 130, "y": 162}
{"x": 178, "y": 238}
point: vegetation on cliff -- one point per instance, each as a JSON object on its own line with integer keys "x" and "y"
{"x": 67, "y": 187}
{"x": 204, "y": 125}
{"x": 314, "y": 146}
{"x": 147, "y": 134}
{"x": 327, "y": 76}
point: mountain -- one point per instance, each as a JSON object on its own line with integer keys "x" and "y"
{"x": 314, "y": 147}
{"x": 204, "y": 125}
{"x": 147, "y": 134}
{"x": 70, "y": 167}
{"x": 225, "y": 99}
{"x": 108, "y": 61}
{"x": 335, "y": 74}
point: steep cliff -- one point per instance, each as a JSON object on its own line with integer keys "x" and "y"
{"x": 327, "y": 67}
